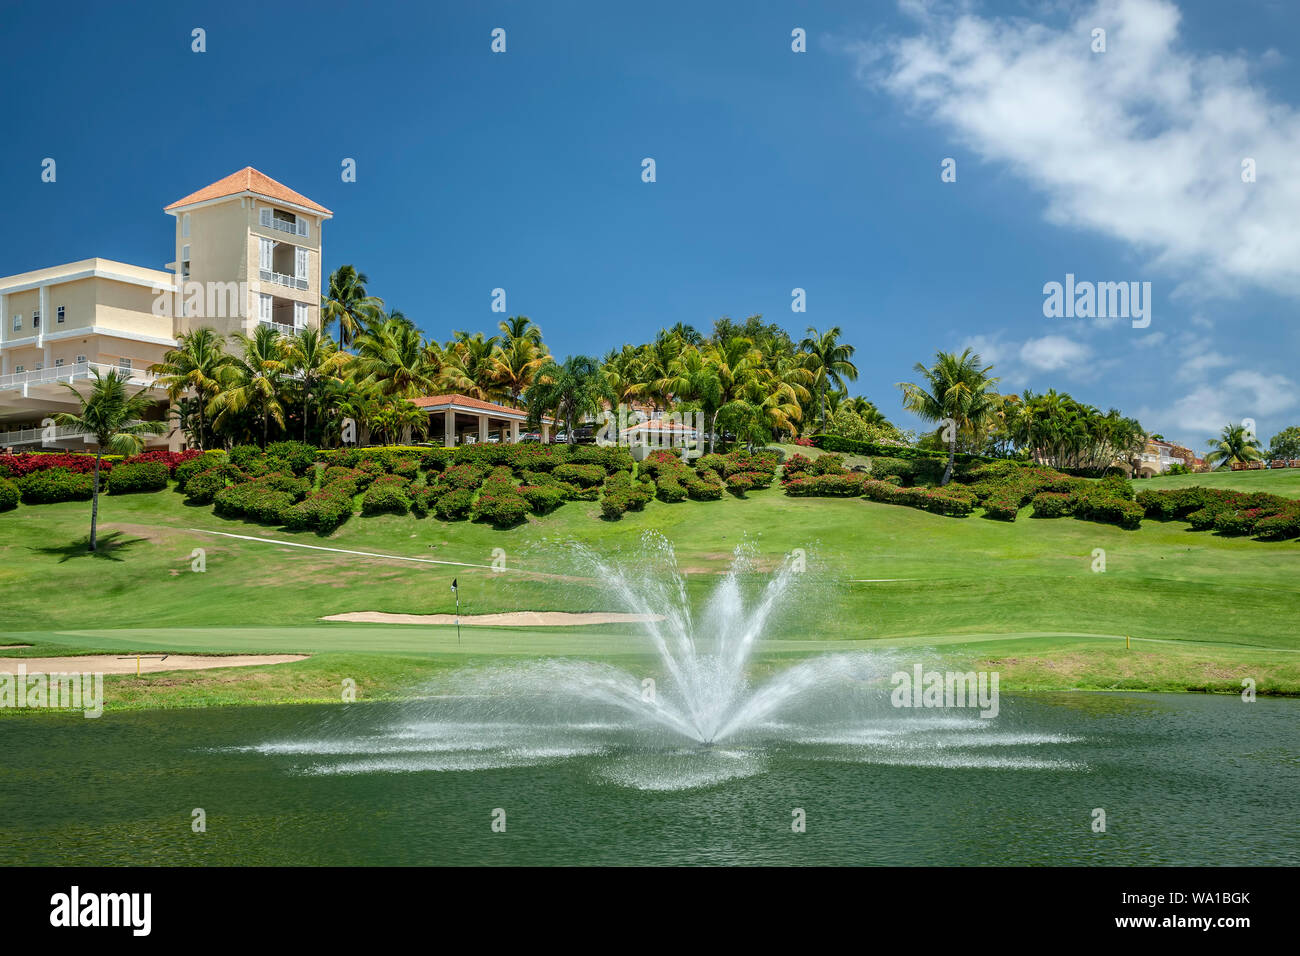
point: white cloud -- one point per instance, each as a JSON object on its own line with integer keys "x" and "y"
{"x": 1245, "y": 393}
{"x": 1143, "y": 143}
{"x": 1052, "y": 352}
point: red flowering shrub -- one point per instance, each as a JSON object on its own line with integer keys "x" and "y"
{"x": 24, "y": 463}
{"x": 848, "y": 485}
{"x": 169, "y": 458}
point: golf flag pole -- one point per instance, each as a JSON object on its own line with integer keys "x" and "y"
{"x": 455, "y": 590}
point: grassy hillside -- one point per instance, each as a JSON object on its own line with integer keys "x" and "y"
{"x": 1281, "y": 481}
{"x": 1203, "y": 610}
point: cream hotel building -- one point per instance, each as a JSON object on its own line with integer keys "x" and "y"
{"x": 248, "y": 252}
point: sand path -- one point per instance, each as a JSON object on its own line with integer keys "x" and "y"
{"x": 149, "y": 664}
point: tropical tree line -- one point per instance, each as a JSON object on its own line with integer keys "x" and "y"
{"x": 751, "y": 381}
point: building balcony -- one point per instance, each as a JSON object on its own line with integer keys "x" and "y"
{"x": 38, "y": 436}
{"x": 279, "y": 278}
{"x": 79, "y": 372}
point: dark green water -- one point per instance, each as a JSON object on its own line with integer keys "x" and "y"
{"x": 1183, "y": 780}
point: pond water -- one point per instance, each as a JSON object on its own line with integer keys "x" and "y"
{"x": 1183, "y": 779}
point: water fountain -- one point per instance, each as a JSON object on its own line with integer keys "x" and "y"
{"x": 689, "y": 713}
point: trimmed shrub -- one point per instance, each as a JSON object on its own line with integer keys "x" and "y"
{"x": 584, "y": 476}
{"x": 52, "y": 485}
{"x": 500, "y": 507}
{"x": 454, "y": 505}
{"x": 543, "y": 498}
{"x": 128, "y": 478}
{"x": 1003, "y": 505}
{"x": 467, "y": 476}
{"x": 704, "y": 487}
{"x": 828, "y": 465}
{"x": 8, "y": 495}
{"x": 622, "y": 494}
{"x": 796, "y": 466}
{"x": 1051, "y": 504}
{"x": 851, "y": 447}
{"x": 609, "y": 458}
{"x": 299, "y": 457}
{"x": 323, "y": 511}
{"x": 246, "y": 457}
{"x": 668, "y": 488}
{"x": 1098, "y": 503}
{"x": 1283, "y": 524}
{"x": 713, "y": 462}
{"x": 900, "y": 468}
{"x": 847, "y": 485}
{"x": 169, "y": 459}
{"x": 202, "y": 488}
{"x": 187, "y": 469}
{"x": 24, "y": 463}
{"x": 386, "y": 495}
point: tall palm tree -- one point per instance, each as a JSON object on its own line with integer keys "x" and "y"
{"x": 1234, "y": 444}
{"x": 520, "y": 327}
{"x": 829, "y": 361}
{"x": 955, "y": 389}
{"x": 620, "y": 376}
{"x": 195, "y": 364}
{"x": 254, "y": 382}
{"x": 115, "y": 418}
{"x": 735, "y": 362}
{"x": 312, "y": 357}
{"x": 347, "y": 303}
{"x": 467, "y": 366}
{"x": 514, "y": 365}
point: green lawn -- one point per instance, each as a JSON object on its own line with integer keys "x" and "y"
{"x": 1203, "y": 610}
{"x": 1280, "y": 481}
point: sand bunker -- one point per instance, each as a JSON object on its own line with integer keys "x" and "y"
{"x": 511, "y": 619}
{"x": 150, "y": 664}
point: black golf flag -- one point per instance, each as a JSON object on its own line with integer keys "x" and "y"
{"x": 453, "y": 584}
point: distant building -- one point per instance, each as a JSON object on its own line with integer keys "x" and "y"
{"x": 1157, "y": 457}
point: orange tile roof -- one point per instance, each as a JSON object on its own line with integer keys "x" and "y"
{"x": 249, "y": 180}
{"x": 431, "y": 401}
{"x": 464, "y": 401}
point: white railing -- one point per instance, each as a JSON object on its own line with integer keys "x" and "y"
{"x": 31, "y": 436}
{"x": 285, "y": 328}
{"x": 70, "y": 373}
{"x": 279, "y": 278}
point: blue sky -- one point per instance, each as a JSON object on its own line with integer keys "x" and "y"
{"x": 775, "y": 170}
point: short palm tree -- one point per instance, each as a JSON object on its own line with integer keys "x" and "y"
{"x": 115, "y": 418}
{"x": 955, "y": 390}
{"x": 194, "y": 365}
{"x": 254, "y": 382}
{"x": 1234, "y": 444}
{"x": 569, "y": 391}
{"x": 312, "y": 357}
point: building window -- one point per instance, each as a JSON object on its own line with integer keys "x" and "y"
{"x": 18, "y": 322}
{"x": 264, "y": 303}
{"x": 58, "y": 363}
{"x": 185, "y": 226}
{"x": 36, "y": 320}
{"x": 124, "y": 364}
{"x": 185, "y": 262}
{"x": 20, "y": 368}
{"x": 62, "y": 315}
{"x": 81, "y": 360}
{"x": 300, "y": 315}
{"x": 38, "y": 366}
